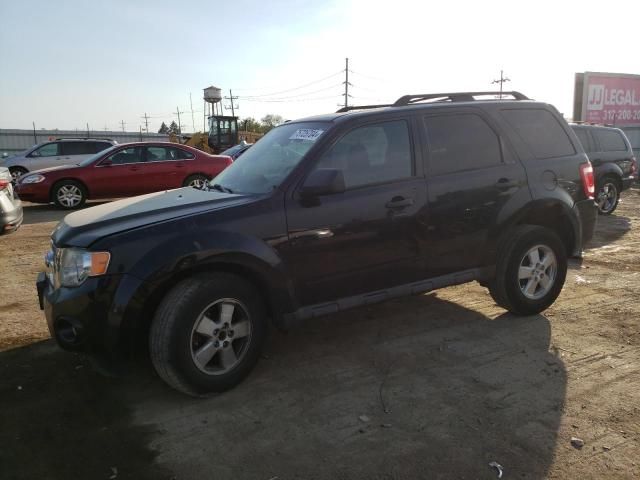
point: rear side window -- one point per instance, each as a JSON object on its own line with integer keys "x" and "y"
{"x": 610, "y": 141}
{"x": 461, "y": 142}
{"x": 372, "y": 154}
{"x": 100, "y": 146}
{"x": 541, "y": 131}
{"x": 77, "y": 148}
{"x": 583, "y": 136}
{"x": 183, "y": 154}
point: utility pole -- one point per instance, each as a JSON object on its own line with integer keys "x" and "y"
{"x": 88, "y": 134}
{"x": 35, "y": 137}
{"x": 231, "y": 98}
{"x": 502, "y": 80}
{"x": 146, "y": 121}
{"x": 346, "y": 83}
{"x": 122, "y": 123}
{"x": 193, "y": 120}
{"x": 178, "y": 112}
{"x": 106, "y": 128}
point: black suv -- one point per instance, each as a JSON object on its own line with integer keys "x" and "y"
{"x": 323, "y": 214}
{"x": 614, "y": 164}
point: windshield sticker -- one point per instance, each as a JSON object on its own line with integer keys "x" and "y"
{"x": 310, "y": 134}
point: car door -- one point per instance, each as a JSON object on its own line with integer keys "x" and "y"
{"x": 471, "y": 176}
{"x": 46, "y": 156}
{"x": 163, "y": 168}
{"x": 120, "y": 174}
{"x": 367, "y": 238}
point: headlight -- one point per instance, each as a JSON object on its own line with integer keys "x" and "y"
{"x": 73, "y": 265}
{"x": 36, "y": 178}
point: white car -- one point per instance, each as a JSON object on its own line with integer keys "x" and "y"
{"x": 10, "y": 206}
{"x": 63, "y": 151}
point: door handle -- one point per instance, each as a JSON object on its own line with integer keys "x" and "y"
{"x": 133, "y": 169}
{"x": 507, "y": 183}
{"x": 180, "y": 165}
{"x": 399, "y": 202}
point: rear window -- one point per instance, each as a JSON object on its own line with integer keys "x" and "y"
{"x": 583, "y": 136}
{"x": 461, "y": 142}
{"x": 610, "y": 141}
{"x": 541, "y": 132}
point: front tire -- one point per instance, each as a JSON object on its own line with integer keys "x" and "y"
{"x": 69, "y": 194}
{"x": 608, "y": 195}
{"x": 207, "y": 333}
{"x": 530, "y": 271}
{"x": 198, "y": 181}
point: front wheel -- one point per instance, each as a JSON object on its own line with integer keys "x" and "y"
{"x": 530, "y": 271}
{"x": 198, "y": 181}
{"x": 207, "y": 333}
{"x": 608, "y": 196}
{"x": 69, "y": 194}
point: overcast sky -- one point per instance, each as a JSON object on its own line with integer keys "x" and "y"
{"x": 64, "y": 64}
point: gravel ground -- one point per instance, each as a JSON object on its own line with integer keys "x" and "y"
{"x": 432, "y": 386}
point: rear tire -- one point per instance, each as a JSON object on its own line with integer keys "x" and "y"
{"x": 608, "y": 195}
{"x": 198, "y": 181}
{"x": 69, "y": 194}
{"x": 207, "y": 333}
{"x": 530, "y": 271}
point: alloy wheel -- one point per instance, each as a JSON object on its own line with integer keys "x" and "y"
{"x": 607, "y": 196}
{"x": 69, "y": 196}
{"x": 220, "y": 336}
{"x": 537, "y": 272}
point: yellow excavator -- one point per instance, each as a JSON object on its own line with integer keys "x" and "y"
{"x": 197, "y": 140}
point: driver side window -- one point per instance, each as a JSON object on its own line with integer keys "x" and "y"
{"x": 48, "y": 150}
{"x": 371, "y": 154}
{"x": 126, "y": 156}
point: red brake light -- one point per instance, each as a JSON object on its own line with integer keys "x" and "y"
{"x": 4, "y": 183}
{"x": 634, "y": 166}
{"x": 588, "y": 183}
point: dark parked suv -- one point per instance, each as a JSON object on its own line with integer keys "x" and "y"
{"x": 323, "y": 214}
{"x": 614, "y": 164}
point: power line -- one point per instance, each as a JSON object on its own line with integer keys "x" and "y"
{"x": 296, "y": 88}
{"x": 298, "y": 95}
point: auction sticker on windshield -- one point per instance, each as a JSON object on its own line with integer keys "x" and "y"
{"x": 310, "y": 134}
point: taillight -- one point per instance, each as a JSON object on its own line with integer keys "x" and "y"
{"x": 588, "y": 184}
{"x": 634, "y": 166}
{"x": 4, "y": 183}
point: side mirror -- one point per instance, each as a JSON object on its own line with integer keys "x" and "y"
{"x": 106, "y": 163}
{"x": 323, "y": 181}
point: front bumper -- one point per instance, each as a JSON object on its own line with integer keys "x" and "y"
{"x": 89, "y": 318}
{"x": 34, "y": 192}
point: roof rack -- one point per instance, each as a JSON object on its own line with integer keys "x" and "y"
{"x": 85, "y": 138}
{"x": 454, "y": 97}
{"x": 438, "y": 97}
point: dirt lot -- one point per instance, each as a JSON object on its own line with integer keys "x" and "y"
{"x": 446, "y": 382}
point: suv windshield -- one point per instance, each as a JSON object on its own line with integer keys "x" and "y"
{"x": 267, "y": 163}
{"x": 92, "y": 158}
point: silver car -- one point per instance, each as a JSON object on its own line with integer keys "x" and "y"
{"x": 63, "y": 151}
{"x": 10, "y": 206}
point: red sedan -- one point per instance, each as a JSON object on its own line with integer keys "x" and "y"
{"x": 122, "y": 171}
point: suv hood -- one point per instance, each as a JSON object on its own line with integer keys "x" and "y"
{"x": 82, "y": 228}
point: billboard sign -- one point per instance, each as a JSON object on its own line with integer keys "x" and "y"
{"x": 611, "y": 98}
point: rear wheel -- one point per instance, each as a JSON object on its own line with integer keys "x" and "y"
{"x": 69, "y": 194}
{"x": 198, "y": 181}
{"x": 608, "y": 195}
{"x": 207, "y": 333}
{"x": 17, "y": 172}
{"x": 530, "y": 270}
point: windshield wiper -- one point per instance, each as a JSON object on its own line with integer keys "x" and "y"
{"x": 220, "y": 188}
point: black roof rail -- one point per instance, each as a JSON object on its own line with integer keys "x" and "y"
{"x": 85, "y": 138}
{"x": 361, "y": 107}
{"x": 453, "y": 97}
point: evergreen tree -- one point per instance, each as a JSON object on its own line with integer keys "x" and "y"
{"x": 163, "y": 128}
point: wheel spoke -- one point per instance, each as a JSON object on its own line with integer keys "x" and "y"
{"x": 545, "y": 282}
{"x": 226, "y": 312}
{"x": 240, "y": 329}
{"x": 530, "y": 289}
{"x": 547, "y": 261}
{"x": 206, "y": 327}
{"x": 205, "y": 353}
{"x": 228, "y": 357}
{"x": 534, "y": 256}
